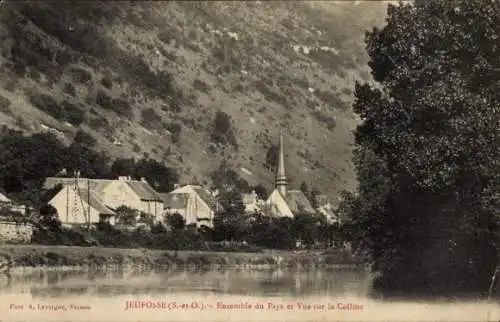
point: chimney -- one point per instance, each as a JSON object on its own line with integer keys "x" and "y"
{"x": 122, "y": 178}
{"x": 143, "y": 180}
{"x": 177, "y": 185}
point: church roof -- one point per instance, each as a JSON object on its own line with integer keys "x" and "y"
{"x": 298, "y": 202}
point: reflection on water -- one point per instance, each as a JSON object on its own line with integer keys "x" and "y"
{"x": 106, "y": 292}
{"x": 277, "y": 282}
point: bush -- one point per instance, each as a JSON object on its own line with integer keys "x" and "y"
{"x": 80, "y": 75}
{"x": 74, "y": 114}
{"x": 98, "y": 123}
{"x": 5, "y": 105}
{"x": 118, "y": 105}
{"x": 121, "y": 107}
{"x": 330, "y": 99}
{"x": 325, "y": 119}
{"x": 222, "y": 131}
{"x": 47, "y": 104}
{"x": 175, "y": 130}
{"x": 269, "y": 94}
{"x": 149, "y": 117}
{"x": 165, "y": 37}
{"x": 175, "y": 221}
{"x": 69, "y": 89}
{"x": 104, "y": 100}
{"x": 107, "y": 82}
{"x": 201, "y": 86}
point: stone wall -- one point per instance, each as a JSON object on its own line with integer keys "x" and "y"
{"x": 14, "y": 232}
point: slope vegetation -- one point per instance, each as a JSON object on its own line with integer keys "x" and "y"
{"x": 148, "y": 78}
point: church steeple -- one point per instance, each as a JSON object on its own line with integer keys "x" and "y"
{"x": 281, "y": 180}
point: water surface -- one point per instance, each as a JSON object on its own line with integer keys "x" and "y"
{"x": 217, "y": 295}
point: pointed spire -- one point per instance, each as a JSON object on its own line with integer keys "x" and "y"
{"x": 281, "y": 180}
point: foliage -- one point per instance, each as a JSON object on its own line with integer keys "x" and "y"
{"x": 25, "y": 160}
{"x": 158, "y": 175}
{"x": 201, "y": 86}
{"x": 49, "y": 218}
{"x": 427, "y": 151}
{"x": 126, "y": 215}
{"x": 226, "y": 179}
{"x": 272, "y": 157}
{"x": 222, "y": 130}
{"x": 5, "y": 105}
{"x": 175, "y": 221}
{"x": 261, "y": 191}
{"x": 304, "y": 188}
{"x": 150, "y": 118}
{"x": 175, "y": 130}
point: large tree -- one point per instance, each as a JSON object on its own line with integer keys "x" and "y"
{"x": 428, "y": 149}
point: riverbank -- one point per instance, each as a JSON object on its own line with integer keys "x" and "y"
{"x": 73, "y": 256}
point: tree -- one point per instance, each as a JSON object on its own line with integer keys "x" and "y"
{"x": 427, "y": 150}
{"x": 222, "y": 130}
{"x": 127, "y": 215}
{"x": 175, "y": 221}
{"x": 272, "y": 157}
{"x": 261, "y": 191}
{"x": 49, "y": 218}
{"x": 122, "y": 167}
{"x": 304, "y": 188}
{"x": 158, "y": 175}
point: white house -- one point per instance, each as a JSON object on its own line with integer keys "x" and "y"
{"x": 197, "y": 205}
{"x": 252, "y": 202}
{"x": 81, "y": 206}
{"x": 4, "y": 200}
{"x": 124, "y": 191}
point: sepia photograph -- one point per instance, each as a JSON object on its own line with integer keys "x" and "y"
{"x": 250, "y": 161}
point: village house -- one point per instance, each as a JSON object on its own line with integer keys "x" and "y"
{"x": 253, "y": 204}
{"x": 14, "y": 229}
{"x": 81, "y": 206}
{"x": 195, "y": 204}
{"x": 102, "y": 197}
{"x": 283, "y": 202}
{"x": 6, "y": 203}
{"x": 327, "y": 209}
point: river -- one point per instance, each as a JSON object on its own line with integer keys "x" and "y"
{"x": 216, "y": 295}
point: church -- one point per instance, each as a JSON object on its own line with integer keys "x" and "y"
{"x": 283, "y": 202}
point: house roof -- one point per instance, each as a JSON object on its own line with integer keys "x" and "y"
{"x": 175, "y": 200}
{"x": 94, "y": 201}
{"x": 144, "y": 191}
{"x": 298, "y": 202}
{"x": 210, "y": 200}
{"x": 96, "y": 185}
{"x": 3, "y": 198}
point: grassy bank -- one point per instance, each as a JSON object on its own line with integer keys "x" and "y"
{"x": 53, "y": 256}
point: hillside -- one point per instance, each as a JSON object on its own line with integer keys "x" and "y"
{"x": 147, "y": 78}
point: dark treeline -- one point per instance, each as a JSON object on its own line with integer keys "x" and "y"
{"x": 25, "y": 162}
{"x": 427, "y": 151}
